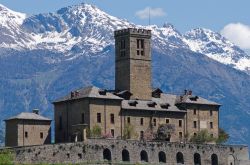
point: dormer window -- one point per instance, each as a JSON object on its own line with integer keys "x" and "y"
{"x": 102, "y": 92}
{"x": 151, "y": 103}
{"x": 165, "y": 105}
{"x": 132, "y": 102}
{"x": 193, "y": 98}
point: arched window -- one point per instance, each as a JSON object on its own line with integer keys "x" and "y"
{"x": 125, "y": 155}
{"x": 107, "y": 154}
{"x": 197, "y": 159}
{"x": 179, "y": 158}
{"x": 214, "y": 159}
{"x": 162, "y": 157}
{"x": 231, "y": 160}
{"x": 144, "y": 156}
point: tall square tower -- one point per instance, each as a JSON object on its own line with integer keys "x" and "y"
{"x": 133, "y": 62}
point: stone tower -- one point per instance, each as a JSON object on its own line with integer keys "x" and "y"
{"x": 133, "y": 62}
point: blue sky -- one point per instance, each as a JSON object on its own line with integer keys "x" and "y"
{"x": 226, "y": 16}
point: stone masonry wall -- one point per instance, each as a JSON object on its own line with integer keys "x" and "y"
{"x": 93, "y": 151}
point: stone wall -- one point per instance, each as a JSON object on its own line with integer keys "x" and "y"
{"x": 94, "y": 150}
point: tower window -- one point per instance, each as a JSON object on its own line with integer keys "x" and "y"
{"x": 112, "y": 132}
{"x": 112, "y": 118}
{"x": 141, "y": 121}
{"x": 141, "y": 135}
{"x": 41, "y": 135}
{"x": 128, "y": 120}
{"x": 122, "y": 44}
{"x": 195, "y": 124}
{"x": 180, "y": 123}
{"x": 211, "y": 125}
{"x": 122, "y": 47}
{"x": 180, "y": 134}
{"x": 211, "y": 113}
{"x": 167, "y": 121}
{"x": 140, "y": 47}
{"x": 154, "y": 122}
{"x": 194, "y": 111}
{"x": 26, "y": 134}
{"x": 99, "y": 120}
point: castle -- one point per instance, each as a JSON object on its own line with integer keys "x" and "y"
{"x": 135, "y": 104}
{"x": 134, "y": 101}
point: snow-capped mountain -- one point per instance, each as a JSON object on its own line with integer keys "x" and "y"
{"x": 75, "y": 29}
{"x": 12, "y": 34}
{"x": 44, "y": 56}
{"x": 218, "y": 48}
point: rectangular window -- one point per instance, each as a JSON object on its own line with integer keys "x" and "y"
{"x": 195, "y": 124}
{"x": 142, "y": 53}
{"x": 123, "y": 44}
{"x": 26, "y": 134}
{"x": 112, "y": 118}
{"x": 211, "y": 125}
{"x": 60, "y": 123}
{"x": 194, "y": 111}
{"x": 180, "y": 123}
{"x": 141, "y": 135}
{"x": 41, "y": 135}
{"x": 112, "y": 132}
{"x": 140, "y": 47}
{"x": 180, "y": 134}
{"x": 211, "y": 113}
{"x": 142, "y": 44}
{"x": 167, "y": 121}
{"x": 141, "y": 121}
{"x": 99, "y": 119}
{"x": 122, "y": 53}
{"x": 154, "y": 122}
{"x": 83, "y": 118}
{"x": 128, "y": 120}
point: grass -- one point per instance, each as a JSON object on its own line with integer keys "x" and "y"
{"x": 6, "y": 157}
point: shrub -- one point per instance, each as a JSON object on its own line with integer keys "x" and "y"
{"x": 128, "y": 131}
{"x": 223, "y": 136}
{"x": 96, "y": 131}
{"x": 202, "y": 137}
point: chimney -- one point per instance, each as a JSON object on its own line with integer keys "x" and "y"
{"x": 72, "y": 94}
{"x": 185, "y": 92}
{"x": 36, "y": 111}
{"x": 190, "y": 92}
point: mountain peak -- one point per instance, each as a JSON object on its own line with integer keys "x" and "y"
{"x": 7, "y": 15}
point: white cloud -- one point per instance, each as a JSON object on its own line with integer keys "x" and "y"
{"x": 237, "y": 33}
{"x": 154, "y": 12}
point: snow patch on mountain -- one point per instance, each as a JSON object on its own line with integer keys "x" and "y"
{"x": 217, "y": 47}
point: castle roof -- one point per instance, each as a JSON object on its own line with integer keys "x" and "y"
{"x": 165, "y": 103}
{"x": 28, "y": 116}
{"x": 191, "y": 99}
{"x": 89, "y": 92}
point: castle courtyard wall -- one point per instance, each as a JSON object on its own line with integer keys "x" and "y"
{"x": 92, "y": 151}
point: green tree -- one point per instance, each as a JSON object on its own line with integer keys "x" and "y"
{"x": 128, "y": 131}
{"x": 202, "y": 137}
{"x": 223, "y": 136}
{"x": 96, "y": 131}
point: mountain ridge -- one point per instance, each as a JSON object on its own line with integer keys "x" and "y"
{"x": 65, "y": 51}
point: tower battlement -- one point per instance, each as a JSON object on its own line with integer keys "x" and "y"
{"x": 129, "y": 31}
